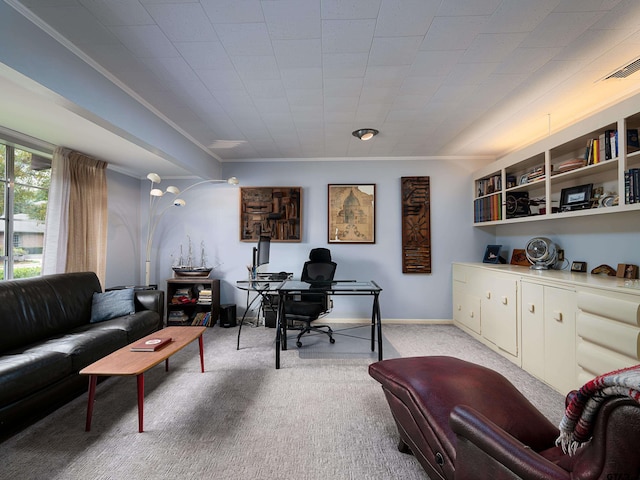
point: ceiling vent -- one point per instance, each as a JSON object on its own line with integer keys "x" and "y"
{"x": 625, "y": 71}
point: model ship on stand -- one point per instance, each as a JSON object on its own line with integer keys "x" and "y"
{"x": 187, "y": 268}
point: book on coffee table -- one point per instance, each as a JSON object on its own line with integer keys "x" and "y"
{"x": 150, "y": 345}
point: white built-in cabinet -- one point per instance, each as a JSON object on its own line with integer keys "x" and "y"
{"x": 562, "y": 327}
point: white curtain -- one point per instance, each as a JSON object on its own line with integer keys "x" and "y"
{"x": 54, "y": 257}
{"x": 78, "y": 208}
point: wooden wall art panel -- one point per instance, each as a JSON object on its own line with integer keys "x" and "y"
{"x": 416, "y": 225}
{"x": 272, "y": 211}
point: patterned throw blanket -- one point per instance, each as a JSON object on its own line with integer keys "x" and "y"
{"x": 577, "y": 424}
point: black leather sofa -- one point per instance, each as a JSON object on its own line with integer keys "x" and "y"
{"x": 46, "y": 338}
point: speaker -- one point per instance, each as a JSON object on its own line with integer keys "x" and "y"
{"x": 228, "y": 315}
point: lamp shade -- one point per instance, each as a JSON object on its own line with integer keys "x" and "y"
{"x": 154, "y": 177}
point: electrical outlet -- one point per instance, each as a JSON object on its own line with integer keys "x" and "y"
{"x": 560, "y": 255}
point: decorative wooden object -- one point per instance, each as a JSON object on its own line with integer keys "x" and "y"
{"x": 273, "y": 211}
{"x": 416, "y": 225}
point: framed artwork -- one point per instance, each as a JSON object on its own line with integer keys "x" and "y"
{"x": 626, "y": 270}
{"x": 519, "y": 257}
{"x": 579, "y": 266}
{"x": 272, "y": 211}
{"x": 352, "y": 213}
{"x": 492, "y": 254}
{"x": 416, "y": 225}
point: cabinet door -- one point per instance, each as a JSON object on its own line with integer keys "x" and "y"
{"x": 532, "y": 315}
{"x": 560, "y": 338}
{"x": 466, "y": 309}
{"x": 499, "y": 313}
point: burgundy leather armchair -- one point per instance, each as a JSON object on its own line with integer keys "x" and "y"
{"x": 464, "y": 421}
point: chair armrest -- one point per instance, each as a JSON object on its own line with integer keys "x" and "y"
{"x": 486, "y": 451}
{"x": 150, "y": 300}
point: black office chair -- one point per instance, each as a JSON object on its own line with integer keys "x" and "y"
{"x": 317, "y": 271}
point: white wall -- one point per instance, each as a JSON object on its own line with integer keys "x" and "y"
{"x": 211, "y": 215}
{"x": 123, "y": 230}
{"x": 601, "y": 239}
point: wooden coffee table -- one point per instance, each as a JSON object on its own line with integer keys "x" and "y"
{"x": 124, "y": 362}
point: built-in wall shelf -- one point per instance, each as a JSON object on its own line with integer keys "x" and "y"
{"x": 591, "y": 168}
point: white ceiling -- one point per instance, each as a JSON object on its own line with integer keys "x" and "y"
{"x": 261, "y": 79}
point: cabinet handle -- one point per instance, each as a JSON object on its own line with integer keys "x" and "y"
{"x": 532, "y": 308}
{"x": 557, "y": 316}
{"x": 459, "y": 307}
{"x": 489, "y": 295}
{"x": 505, "y": 300}
{"x": 471, "y": 314}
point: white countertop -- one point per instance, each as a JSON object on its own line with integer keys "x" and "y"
{"x": 565, "y": 276}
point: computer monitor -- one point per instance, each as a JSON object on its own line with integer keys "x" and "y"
{"x": 261, "y": 252}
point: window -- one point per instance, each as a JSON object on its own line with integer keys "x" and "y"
{"x": 24, "y": 190}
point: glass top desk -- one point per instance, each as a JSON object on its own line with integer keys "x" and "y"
{"x": 339, "y": 287}
{"x": 263, "y": 288}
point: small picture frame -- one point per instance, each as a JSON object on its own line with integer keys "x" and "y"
{"x": 626, "y": 270}
{"x": 576, "y": 198}
{"x": 579, "y": 266}
{"x": 492, "y": 254}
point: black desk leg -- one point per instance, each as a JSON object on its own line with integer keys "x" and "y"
{"x": 278, "y": 332}
{"x": 373, "y": 324}
{"x": 378, "y": 322}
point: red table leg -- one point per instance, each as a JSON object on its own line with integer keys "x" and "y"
{"x": 166, "y": 365}
{"x": 201, "y": 344}
{"x": 140, "y": 402}
{"x": 93, "y": 379}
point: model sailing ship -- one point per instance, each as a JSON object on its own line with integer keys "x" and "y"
{"x": 187, "y": 268}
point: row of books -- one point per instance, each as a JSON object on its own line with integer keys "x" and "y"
{"x": 488, "y": 209}
{"x": 632, "y": 186}
{"x": 605, "y": 147}
{"x": 202, "y": 319}
{"x": 199, "y": 319}
{"x": 487, "y": 186}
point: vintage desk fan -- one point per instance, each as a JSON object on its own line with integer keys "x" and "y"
{"x": 541, "y": 252}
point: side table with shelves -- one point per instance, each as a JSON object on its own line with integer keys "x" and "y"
{"x": 189, "y": 301}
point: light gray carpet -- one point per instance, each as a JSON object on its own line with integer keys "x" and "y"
{"x": 242, "y": 419}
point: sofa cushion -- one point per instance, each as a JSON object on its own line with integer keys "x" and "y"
{"x": 24, "y": 373}
{"x": 84, "y": 347}
{"x": 112, "y": 304}
{"x": 33, "y": 309}
{"x": 135, "y": 326}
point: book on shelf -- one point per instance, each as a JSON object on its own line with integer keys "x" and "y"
{"x": 489, "y": 185}
{"x": 633, "y": 143}
{"x": 150, "y": 345}
{"x": 608, "y": 142}
{"x": 204, "y": 297}
{"x": 177, "y": 316}
{"x": 201, "y": 319}
{"x": 182, "y": 295}
{"x": 632, "y": 186}
{"x": 488, "y": 208}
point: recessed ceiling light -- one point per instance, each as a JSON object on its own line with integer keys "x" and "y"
{"x": 365, "y": 133}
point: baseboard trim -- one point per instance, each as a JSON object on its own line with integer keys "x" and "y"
{"x": 389, "y": 321}
{"x": 385, "y": 321}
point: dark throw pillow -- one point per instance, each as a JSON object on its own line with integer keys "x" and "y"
{"x": 112, "y": 304}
